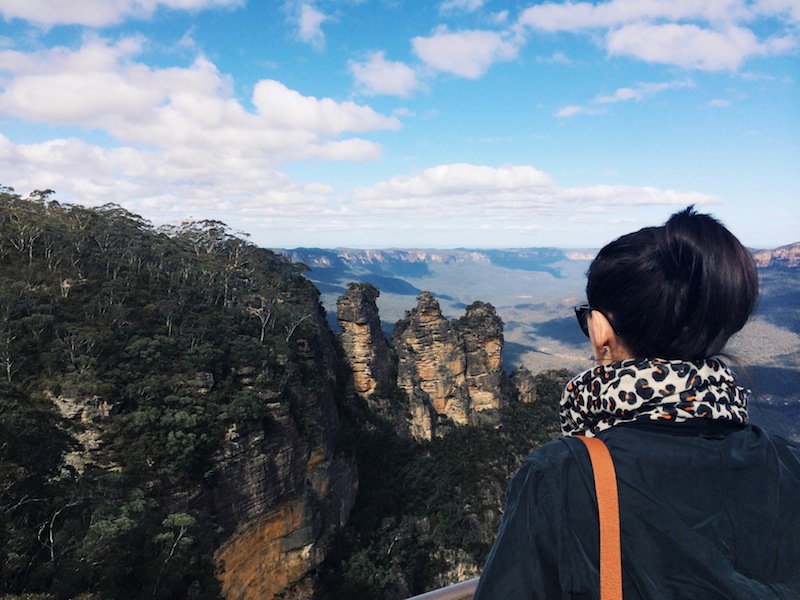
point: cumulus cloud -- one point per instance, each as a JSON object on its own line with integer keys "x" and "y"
{"x": 174, "y": 139}
{"x": 97, "y": 13}
{"x": 171, "y": 185}
{"x": 685, "y": 45}
{"x": 464, "y": 53}
{"x": 101, "y": 86}
{"x": 377, "y": 76}
{"x": 459, "y": 180}
{"x": 461, "y": 191}
{"x": 660, "y": 32}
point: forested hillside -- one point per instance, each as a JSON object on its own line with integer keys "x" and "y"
{"x": 138, "y": 332}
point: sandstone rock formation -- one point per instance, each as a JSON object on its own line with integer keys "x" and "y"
{"x": 450, "y": 371}
{"x": 282, "y": 497}
{"x": 482, "y": 333}
{"x": 365, "y": 347}
{"x": 525, "y": 384}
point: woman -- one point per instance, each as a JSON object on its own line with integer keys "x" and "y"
{"x": 709, "y": 505}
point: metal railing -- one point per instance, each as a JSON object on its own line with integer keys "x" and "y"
{"x": 457, "y": 591}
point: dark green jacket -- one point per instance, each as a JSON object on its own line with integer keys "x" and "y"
{"x": 709, "y": 510}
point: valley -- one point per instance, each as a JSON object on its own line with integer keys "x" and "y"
{"x": 533, "y": 291}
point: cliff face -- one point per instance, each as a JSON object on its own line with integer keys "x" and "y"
{"x": 284, "y": 488}
{"x": 280, "y": 491}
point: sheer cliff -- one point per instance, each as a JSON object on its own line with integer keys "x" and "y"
{"x": 787, "y": 257}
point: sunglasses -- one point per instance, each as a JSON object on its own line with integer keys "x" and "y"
{"x": 582, "y": 314}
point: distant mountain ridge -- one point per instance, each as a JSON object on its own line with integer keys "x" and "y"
{"x": 529, "y": 259}
{"x": 784, "y": 256}
{"x": 332, "y": 257}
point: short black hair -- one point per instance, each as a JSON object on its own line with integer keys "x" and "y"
{"x": 678, "y": 291}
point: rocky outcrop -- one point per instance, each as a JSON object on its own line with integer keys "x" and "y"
{"x": 432, "y": 366}
{"x": 525, "y": 384}
{"x": 482, "y": 333}
{"x": 89, "y": 418}
{"x": 363, "y": 342}
{"x": 449, "y": 371}
{"x": 293, "y": 497}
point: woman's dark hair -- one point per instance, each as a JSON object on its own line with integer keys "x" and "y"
{"x": 678, "y": 291}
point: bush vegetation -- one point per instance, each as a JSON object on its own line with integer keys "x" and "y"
{"x": 147, "y": 328}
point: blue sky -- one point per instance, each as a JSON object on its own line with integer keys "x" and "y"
{"x": 374, "y": 124}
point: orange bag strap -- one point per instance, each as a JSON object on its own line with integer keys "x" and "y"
{"x": 605, "y": 485}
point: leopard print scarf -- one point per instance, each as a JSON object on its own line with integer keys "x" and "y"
{"x": 652, "y": 389}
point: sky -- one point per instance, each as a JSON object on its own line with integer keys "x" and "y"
{"x": 384, "y": 123}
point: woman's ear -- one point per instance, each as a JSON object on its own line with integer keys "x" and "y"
{"x": 607, "y": 346}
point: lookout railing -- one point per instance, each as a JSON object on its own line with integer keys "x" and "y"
{"x": 458, "y": 591}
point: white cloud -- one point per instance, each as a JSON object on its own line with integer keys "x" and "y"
{"x": 642, "y": 91}
{"x": 465, "y": 5}
{"x": 376, "y": 76}
{"x": 464, "y": 180}
{"x": 97, "y": 13}
{"x": 625, "y": 94}
{"x": 167, "y": 185}
{"x": 576, "y": 16}
{"x": 177, "y": 141}
{"x": 465, "y": 53}
{"x": 309, "y": 21}
{"x": 288, "y": 110}
{"x": 100, "y": 86}
{"x": 789, "y": 8}
{"x": 570, "y": 111}
{"x": 685, "y": 45}
{"x": 499, "y": 18}
{"x": 719, "y": 103}
{"x": 507, "y": 193}
{"x": 710, "y": 36}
